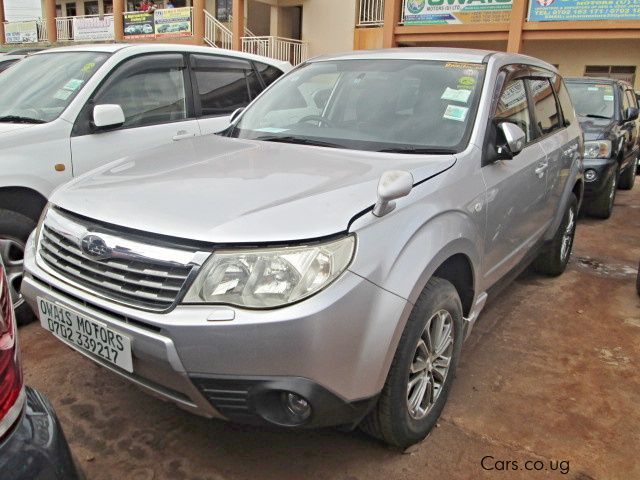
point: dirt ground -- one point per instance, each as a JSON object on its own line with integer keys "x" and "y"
{"x": 549, "y": 375}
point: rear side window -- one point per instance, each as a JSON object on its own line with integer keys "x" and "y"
{"x": 568, "y": 111}
{"x": 268, "y": 73}
{"x": 513, "y": 107}
{"x": 545, "y": 108}
{"x": 223, "y": 85}
{"x": 631, "y": 98}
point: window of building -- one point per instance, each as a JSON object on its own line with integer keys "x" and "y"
{"x": 513, "y": 107}
{"x": 223, "y": 10}
{"x": 627, "y": 74}
{"x": 107, "y": 5}
{"x": 70, "y": 9}
{"x": 545, "y": 107}
{"x": 91, "y": 8}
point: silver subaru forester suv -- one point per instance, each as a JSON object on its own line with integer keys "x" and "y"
{"x": 322, "y": 261}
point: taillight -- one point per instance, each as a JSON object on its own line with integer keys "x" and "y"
{"x": 11, "y": 392}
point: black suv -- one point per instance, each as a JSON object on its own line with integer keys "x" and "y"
{"x": 608, "y": 113}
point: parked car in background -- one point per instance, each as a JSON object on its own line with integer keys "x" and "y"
{"x": 608, "y": 113}
{"x": 323, "y": 265}
{"x": 87, "y": 105}
{"x": 32, "y": 444}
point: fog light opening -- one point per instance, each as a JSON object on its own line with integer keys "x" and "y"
{"x": 590, "y": 175}
{"x": 296, "y": 406}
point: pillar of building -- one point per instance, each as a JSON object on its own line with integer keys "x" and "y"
{"x": 2, "y": 41}
{"x": 516, "y": 24}
{"x": 49, "y": 11}
{"x": 237, "y": 25}
{"x": 198, "y": 21}
{"x": 118, "y": 20}
{"x": 391, "y": 20}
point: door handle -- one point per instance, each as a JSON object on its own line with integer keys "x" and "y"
{"x": 542, "y": 167}
{"x": 182, "y": 134}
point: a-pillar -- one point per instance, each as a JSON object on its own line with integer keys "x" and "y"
{"x": 237, "y": 25}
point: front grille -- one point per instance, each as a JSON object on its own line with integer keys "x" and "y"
{"x": 141, "y": 283}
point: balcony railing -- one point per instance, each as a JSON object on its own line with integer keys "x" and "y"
{"x": 371, "y": 13}
{"x": 287, "y": 49}
{"x": 64, "y": 27}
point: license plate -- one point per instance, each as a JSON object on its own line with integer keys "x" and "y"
{"x": 89, "y": 335}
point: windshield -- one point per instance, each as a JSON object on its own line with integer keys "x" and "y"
{"x": 411, "y": 106}
{"x": 38, "y": 89}
{"x": 592, "y": 99}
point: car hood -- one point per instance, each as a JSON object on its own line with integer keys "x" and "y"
{"x": 6, "y": 127}
{"x": 596, "y": 128}
{"x": 223, "y": 190}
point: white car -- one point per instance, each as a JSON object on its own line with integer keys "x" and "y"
{"x": 65, "y": 111}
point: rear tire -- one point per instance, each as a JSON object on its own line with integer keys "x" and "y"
{"x": 15, "y": 228}
{"x": 628, "y": 177}
{"x": 602, "y": 205}
{"x": 422, "y": 370}
{"x": 553, "y": 259}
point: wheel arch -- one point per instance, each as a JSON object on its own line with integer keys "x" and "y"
{"x": 23, "y": 200}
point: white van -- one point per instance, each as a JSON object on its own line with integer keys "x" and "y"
{"x": 65, "y": 111}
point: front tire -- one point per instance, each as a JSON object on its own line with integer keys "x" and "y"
{"x": 422, "y": 370}
{"x": 628, "y": 177}
{"x": 553, "y": 259}
{"x": 602, "y": 205}
{"x": 15, "y": 228}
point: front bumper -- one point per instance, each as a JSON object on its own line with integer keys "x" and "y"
{"x": 36, "y": 447}
{"x": 604, "y": 168}
{"x": 336, "y": 347}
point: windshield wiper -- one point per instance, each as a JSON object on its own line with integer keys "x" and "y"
{"x": 419, "y": 150}
{"x": 594, "y": 115}
{"x": 19, "y": 119}
{"x": 298, "y": 141}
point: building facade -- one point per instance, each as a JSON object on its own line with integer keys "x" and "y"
{"x": 581, "y": 37}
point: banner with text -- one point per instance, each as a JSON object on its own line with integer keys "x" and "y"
{"x": 569, "y": 10}
{"x": 434, "y": 12}
{"x": 21, "y": 32}
{"x": 173, "y": 22}
{"x": 93, "y": 28}
{"x": 138, "y": 25}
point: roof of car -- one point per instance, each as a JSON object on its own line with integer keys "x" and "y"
{"x": 162, "y": 47}
{"x": 464, "y": 55}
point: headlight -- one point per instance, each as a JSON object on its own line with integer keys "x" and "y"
{"x": 272, "y": 277}
{"x": 597, "y": 149}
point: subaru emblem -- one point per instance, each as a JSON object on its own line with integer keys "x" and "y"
{"x": 95, "y": 247}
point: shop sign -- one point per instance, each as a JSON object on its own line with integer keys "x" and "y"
{"x": 173, "y": 22}
{"x": 139, "y": 25}
{"x": 571, "y": 10}
{"x": 434, "y": 12}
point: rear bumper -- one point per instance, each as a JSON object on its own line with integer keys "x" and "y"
{"x": 334, "y": 348}
{"x": 36, "y": 447}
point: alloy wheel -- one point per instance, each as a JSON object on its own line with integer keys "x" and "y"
{"x": 12, "y": 253}
{"x": 430, "y": 365}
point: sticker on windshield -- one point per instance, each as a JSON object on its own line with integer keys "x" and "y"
{"x": 456, "y": 95}
{"x": 464, "y": 66}
{"x": 271, "y": 130}
{"x": 73, "y": 84}
{"x": 88, "y": 67}
{"x": 466, "y": 83}
{"x": 62, "y": 94}
{"x": 608, "y": 98}
{"x": 455, "y": 112}
{"x": 593, "y": 89}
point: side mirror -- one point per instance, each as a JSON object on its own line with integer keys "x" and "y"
{"x": 107, "y": 116}
{"x": 236, "y": 113}
{"x": 514, "y": 137}
{"x": 393, "y": 184}
{"x": 631, "y": 113}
